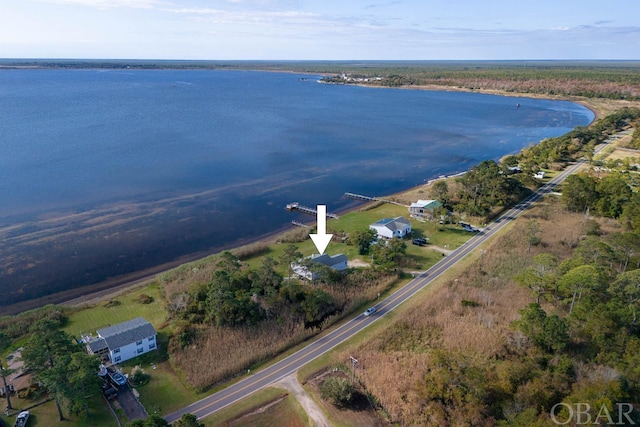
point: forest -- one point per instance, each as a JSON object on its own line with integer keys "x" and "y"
{"x": 618, "y": 80}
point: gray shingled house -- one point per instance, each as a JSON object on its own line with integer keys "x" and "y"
{"x": 123, "y": 341}
{"x": 336, "y": 262}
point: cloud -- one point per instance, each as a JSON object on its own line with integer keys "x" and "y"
{"x": 220, "y": 16}
{"x": 389, "y": 3}
{"x": 109, "y": 4}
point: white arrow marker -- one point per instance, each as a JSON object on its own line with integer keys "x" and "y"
{"x": 322, "y": 239}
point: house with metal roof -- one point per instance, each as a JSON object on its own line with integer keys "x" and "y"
{"x": 424, "y": 208}
{"x": 392, "y": 227}
{"x": 123, "y": 341}
{"x": 305, "y": 269}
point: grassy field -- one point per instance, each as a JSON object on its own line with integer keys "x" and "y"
{"x": 46, "y": 415}
{"x": 447, "y": 237}
{"x": 118, "y": 309}
{"x": 269, "y": 407}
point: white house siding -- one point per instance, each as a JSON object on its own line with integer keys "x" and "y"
{"x": 132, "y": 350}
{"x": 382, "y": 231}
{"x": 392, "y": 227}
{"x": 129, "y": 339}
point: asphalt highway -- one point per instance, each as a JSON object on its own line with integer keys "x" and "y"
{"x": 325, "y": 343}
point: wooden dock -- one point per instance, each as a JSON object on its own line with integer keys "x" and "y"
{"x": 362, "y": 198}
{"x": 295, "y": 206}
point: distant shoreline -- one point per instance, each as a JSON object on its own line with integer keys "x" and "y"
{"x": 106, "y": 289}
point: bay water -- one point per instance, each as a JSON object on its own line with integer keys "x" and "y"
{"x": 104, "y": 173}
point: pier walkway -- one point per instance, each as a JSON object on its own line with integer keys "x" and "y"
{"x": 295, "y": 206}
{"x": 362, "y": 198}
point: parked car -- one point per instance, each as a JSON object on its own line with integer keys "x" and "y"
{"x": 370, "y": 311}
{"x": 469, "y": 227}
{"x": 419, "y": 241}
{"x": 109, "y": 391}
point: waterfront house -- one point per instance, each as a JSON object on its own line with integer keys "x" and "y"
{"x": 392, "y": 227}
{"x": 123, "y": 341}
{"x": 305, "y": 269}
{"x": 424, "y": 208}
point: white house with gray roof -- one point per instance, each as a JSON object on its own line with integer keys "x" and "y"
{"x": 392, "y": 227}
{"x": 123, "y": 341}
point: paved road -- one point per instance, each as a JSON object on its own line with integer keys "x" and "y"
{"x": 323, "y": 344}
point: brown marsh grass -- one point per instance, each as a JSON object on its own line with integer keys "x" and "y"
{"x": 394, "y": 365}
{"x": 219, "y": 353}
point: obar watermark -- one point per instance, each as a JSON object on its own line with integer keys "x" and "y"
{"x": 584, "y": 414}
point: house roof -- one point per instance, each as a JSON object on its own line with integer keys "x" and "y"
{"x": 329, "y": 260}
{"x": 426, "y": 204}
{"x": 398, "y": 223}
{"x": 19, "y": 379}
{"x": 126, "y": 332}
{"x": 97, "y": 344}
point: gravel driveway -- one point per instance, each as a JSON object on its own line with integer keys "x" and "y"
{"x": 311, "y": 408}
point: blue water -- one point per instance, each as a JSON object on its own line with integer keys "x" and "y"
{"x": 192, "y": 161}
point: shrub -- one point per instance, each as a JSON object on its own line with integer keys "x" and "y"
{"x": 18, "y": 326}
{"x": 337, "y": 389}
{"x": 144, "y": 299}
{"x": 468, "y": 303}
{"x": 138, "y": 376}
{"x": 250, "y": 251}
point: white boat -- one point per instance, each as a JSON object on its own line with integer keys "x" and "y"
{"x": 118, "y": 378}
{"x": 103, "y": 371}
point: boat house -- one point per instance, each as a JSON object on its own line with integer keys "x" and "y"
{"x": 123, "y": 341}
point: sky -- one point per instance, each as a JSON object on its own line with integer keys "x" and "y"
{"x": 320, "y": 29}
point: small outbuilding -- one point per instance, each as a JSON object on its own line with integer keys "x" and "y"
{"x": 392, "y": 227}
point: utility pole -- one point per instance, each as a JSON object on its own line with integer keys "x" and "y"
{"x": 353, "y": 367}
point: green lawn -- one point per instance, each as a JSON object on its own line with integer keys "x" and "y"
{"x": 46, "y": 415}
{"x": 288, "y": 412}
{"x": 121, "y": 308}
{"x": 445, "y": 236}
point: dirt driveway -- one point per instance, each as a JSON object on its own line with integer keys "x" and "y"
{"x": 128, "y": 402}
{"x": 311, "y": 408}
